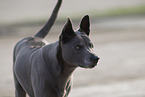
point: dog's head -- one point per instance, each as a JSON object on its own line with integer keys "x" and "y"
{"x": 76, "y": 45}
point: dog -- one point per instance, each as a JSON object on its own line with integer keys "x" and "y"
{"x": 45, "y": 70}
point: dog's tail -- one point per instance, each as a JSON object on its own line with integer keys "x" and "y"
{"x": 44, "y": 31}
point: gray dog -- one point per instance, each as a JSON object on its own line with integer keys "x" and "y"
{"x": 45, "y": 70}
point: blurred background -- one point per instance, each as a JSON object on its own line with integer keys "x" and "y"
{"x": 117, "y": 31}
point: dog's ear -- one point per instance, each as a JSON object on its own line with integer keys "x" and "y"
{"x": 67, "y": 32}
{"x": 85, "y": 25}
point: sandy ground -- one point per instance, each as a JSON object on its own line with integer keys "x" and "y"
{"x": 120, "y": 43}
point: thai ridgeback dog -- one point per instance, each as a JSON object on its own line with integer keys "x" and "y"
{"x": 45, "y": 70}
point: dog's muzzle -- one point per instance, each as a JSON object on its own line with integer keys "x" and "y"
{"x": 94, "y": 60}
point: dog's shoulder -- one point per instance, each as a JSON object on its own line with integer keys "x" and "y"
{"x": 35, "y": 42}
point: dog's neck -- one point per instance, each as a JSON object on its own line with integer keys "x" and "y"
{"x": 61, "y": 70}
{"x": 66, "y": 69}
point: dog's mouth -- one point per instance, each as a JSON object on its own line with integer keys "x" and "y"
{"x": 90, "y": 64}
{"x": 93, "y": 64}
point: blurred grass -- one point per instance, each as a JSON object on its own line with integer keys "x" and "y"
{"x": 121, "y": 11}
{"x": 137, "y": 10}
{"x": 94, "y": 13}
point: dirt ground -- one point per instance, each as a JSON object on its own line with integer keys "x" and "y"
{"x": 120, "y": 43}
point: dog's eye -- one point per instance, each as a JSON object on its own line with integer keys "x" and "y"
{"x": 78, "y": 47}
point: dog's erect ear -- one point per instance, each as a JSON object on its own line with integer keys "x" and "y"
{"x": 67, "y": 32}
{"x": 85, "y": 25}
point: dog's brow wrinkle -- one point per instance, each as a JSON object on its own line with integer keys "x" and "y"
{"x": 86, "y": 39}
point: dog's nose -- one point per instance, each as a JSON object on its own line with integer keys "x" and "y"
{"x": 95, "y": 58}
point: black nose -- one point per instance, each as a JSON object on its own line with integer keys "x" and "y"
{"x": 95, "y": 58}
